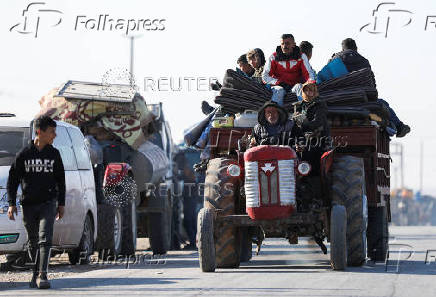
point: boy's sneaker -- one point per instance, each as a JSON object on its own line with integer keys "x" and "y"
{"x": 206, "y": 108}
{"x": 403, "y": 131}
{"x": 32, "y": 283}
{"x": 42, "y": 281}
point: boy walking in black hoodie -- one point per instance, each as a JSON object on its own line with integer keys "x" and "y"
{"x": 40, "y": 171}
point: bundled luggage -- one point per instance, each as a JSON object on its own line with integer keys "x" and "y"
{"x": 352, "y": 99}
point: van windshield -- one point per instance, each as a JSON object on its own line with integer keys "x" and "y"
{"x": 12, "y": 140}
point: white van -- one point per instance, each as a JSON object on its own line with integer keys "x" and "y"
{"x": 77, "y": 230}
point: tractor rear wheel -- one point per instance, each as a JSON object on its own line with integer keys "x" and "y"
{"x": 348, "y": 189}
{"x": 246, "y": 245}
{"x": 378, "y": 233}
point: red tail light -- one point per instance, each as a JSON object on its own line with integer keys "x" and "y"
{"x": 114, "y": 174}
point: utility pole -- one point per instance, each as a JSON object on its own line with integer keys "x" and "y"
{"x": 132, "y": 40}
{"x": 132, "y": 58}
{"x": 398, "y": 151}
{"x": 421, "y": 169}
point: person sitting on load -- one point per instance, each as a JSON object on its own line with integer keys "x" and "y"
{"x": 312, "y": 131}
{"x": 256, "y": 59}
{"x": 306, "y": 49}
{"x": 273, "y": 126}
{"x": 286, "y": 67}
{"x": 244, "y": 67}
{"x": 354, "y": 61}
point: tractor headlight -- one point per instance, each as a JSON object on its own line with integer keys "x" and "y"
{"x": 234, "y": 170}
{"x": 304, "y": 168}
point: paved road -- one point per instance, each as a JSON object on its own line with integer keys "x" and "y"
{"x": 279, "y": 270}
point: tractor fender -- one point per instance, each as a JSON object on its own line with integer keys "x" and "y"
{"x": 327, "y": 162}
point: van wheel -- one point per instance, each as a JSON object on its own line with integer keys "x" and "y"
{"x": 159, "y": 228}
{"x": 128, "y": 212}
{"x": 83, "y": 252}
{"x": 109, "y": 231}
{"x": 118, "y": 231}
{"x": 128, "y": 234}
{"x": 159, "y": 232}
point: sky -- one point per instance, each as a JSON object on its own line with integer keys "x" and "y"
{"x": 195, "y": 41}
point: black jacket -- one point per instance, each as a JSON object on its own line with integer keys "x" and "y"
{"x": 281, "y": 56}
{"x": 41, "y": 174}
{"x": 282, "y": 136}
{"x": 352, "y": 60}
{"x": 314, "y": 121}
{"x": 282, "y": 131}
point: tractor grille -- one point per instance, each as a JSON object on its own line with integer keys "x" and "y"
{"x": 252, "y": 184}
{"x": 287, "y": 182}
{"x": 261, "y": 189}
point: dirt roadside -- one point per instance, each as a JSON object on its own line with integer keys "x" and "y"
{"x": 60, "y": 266}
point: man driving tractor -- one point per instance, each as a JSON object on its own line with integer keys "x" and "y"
{"x": 308, "y": 130}
{"x": 274, "y": 127}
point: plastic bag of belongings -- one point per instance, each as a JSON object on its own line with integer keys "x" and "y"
{"x": 107, "y": 112}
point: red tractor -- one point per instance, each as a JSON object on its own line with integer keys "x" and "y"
{"x": 267, "y": 191}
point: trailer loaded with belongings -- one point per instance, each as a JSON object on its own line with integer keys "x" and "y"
{"x": 359, "y": 123}
{"x": 127, "y": 139}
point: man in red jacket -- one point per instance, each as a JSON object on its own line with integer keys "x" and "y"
{"x": 286, "y": 67}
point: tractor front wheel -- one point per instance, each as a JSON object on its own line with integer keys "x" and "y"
{"x": 205, "y": 240}
{"x": 220, "y": 194}
{"x": 338, "y": 237}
